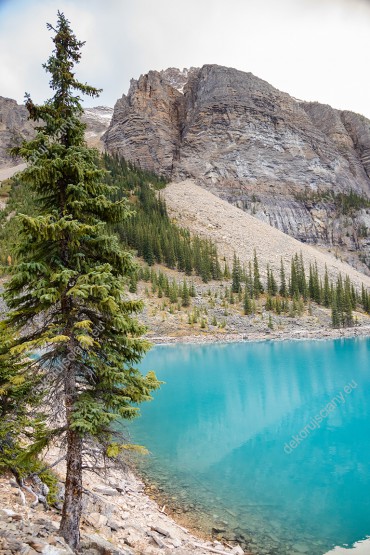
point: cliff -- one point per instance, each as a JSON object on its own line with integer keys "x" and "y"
{"x": 280, "y": 159}
{"x": 14, "y": 127}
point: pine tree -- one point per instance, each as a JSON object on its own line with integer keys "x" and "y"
{"x": 192, "y": 291}
{"x": 269, "y": 303}
{"x": 302, "y": 284}
{"x": 247, "y": 302}
{"x": 294, "y": 281}
{"x": 67, "y": 294}
{"x": 236, "y": 275}
{"x": 335, "y": 318}
{"x": 185, "y": 294}
{"x": 226, "y": 273}
{"x": 347, "y": 303}
{"x": 326, "y": 291}
{"x": 271, "y": 282}
{"x": 21, "y": 419}
{"x": 283, "y": 287}
{"x": 257, "y": 285}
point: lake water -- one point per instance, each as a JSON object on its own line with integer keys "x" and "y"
{"x": 268, "y": 443}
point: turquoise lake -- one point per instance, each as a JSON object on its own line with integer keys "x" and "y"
{"x": 268, "y": 442}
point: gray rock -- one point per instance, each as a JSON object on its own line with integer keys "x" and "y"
{"x": 93, "y": 542}
{"x": 96, "y": 520}
{"x": 157, "y": 539}
{"x": 105, "y": 490}
{"x": 14, "y": 127}
{"x": 113, "y": 525}
{"x": 249, "y": 143}
{"x": 161, "y": 531}
{"x": 53, "y": 550}
{"x": 237, "y": 550}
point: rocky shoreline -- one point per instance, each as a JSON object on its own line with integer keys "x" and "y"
{"x": 119, "y": 518}
{"x": 318, "y": 334}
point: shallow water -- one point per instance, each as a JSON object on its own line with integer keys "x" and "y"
{"x": 270, "y": 441}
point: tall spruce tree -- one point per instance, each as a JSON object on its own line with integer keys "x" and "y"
{"x": 236, "y": 275}
{"x": 67, "y": 293}
{"x": 257, "y": 284}
{"x": 283, "y": 287}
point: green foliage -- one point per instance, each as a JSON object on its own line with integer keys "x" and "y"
{"x": 272, "y": 288}
{"x": 19, "y": 199}
{"x": 257, "y": 284}
{"x": 22, "y": 422}
{"x": 67, "y": 294}
{"x": 150, "y": 231}
{"x": 345, "y": 203}
{"x": 342, "y": 304}
{"x": 236, "y": 275}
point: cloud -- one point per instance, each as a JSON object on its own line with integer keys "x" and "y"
{"x": 313, "y": 49}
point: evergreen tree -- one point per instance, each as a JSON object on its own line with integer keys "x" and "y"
{"x": 269, "y": 303}
{"x": 247, "y": 302}
{"x": 283, "y": 287}
{"x": 67, "y": 296}
{"x": 236, "y": 275}
{"x": 326, "y": 291}
{"x": 365, "y": 299}
{"x": 302, "y": 284}
{"x": 192, "y": 291}
{"x": 271, "y": 282}
{"x": 335, "y": 318}
{"x": 226, "y": 273}
{"x": 21, "y": 419}
{"x": 294, "y": 281}
{"x": 257, "y": 285}
{"x": 347, "y": 303}
{"x": 185, "y": 294}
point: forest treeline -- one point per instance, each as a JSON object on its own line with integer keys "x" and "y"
{"x": 156, "y": 239}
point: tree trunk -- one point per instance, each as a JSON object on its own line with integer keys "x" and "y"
{"x": 72, "y": 507}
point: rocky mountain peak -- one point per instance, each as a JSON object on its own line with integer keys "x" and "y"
{"x": 177, "y": 78}
{"x": 243, "y": 139}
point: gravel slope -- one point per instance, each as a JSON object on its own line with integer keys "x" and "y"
{"x": 236, "y": 231}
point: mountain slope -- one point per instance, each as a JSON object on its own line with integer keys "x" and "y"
{"x": 233, "y": 230}
{"x": 281, "y": 159}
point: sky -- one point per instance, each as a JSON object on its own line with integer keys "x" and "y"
{"x": 316, "y": 50}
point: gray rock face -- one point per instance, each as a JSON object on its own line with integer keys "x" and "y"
{"x": 244, "y": 140}
{"x": 97, "y": 120}
{"x": 14, "y": 127}
{"x": 146, "y": 123}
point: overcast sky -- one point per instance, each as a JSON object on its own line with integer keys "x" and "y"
{"x": 312, "y": 49}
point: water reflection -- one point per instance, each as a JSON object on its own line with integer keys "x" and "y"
{"x": 226, "y": 412}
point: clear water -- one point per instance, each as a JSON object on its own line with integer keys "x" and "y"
{"x": 219, "y": 433}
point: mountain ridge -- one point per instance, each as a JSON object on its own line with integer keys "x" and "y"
{"x": 252, "y": 145}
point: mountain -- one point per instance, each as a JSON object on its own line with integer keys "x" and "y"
{"x": 15, "y": 126}
{"x": 97, "y": 120}
{"x": 301, "y": 167}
